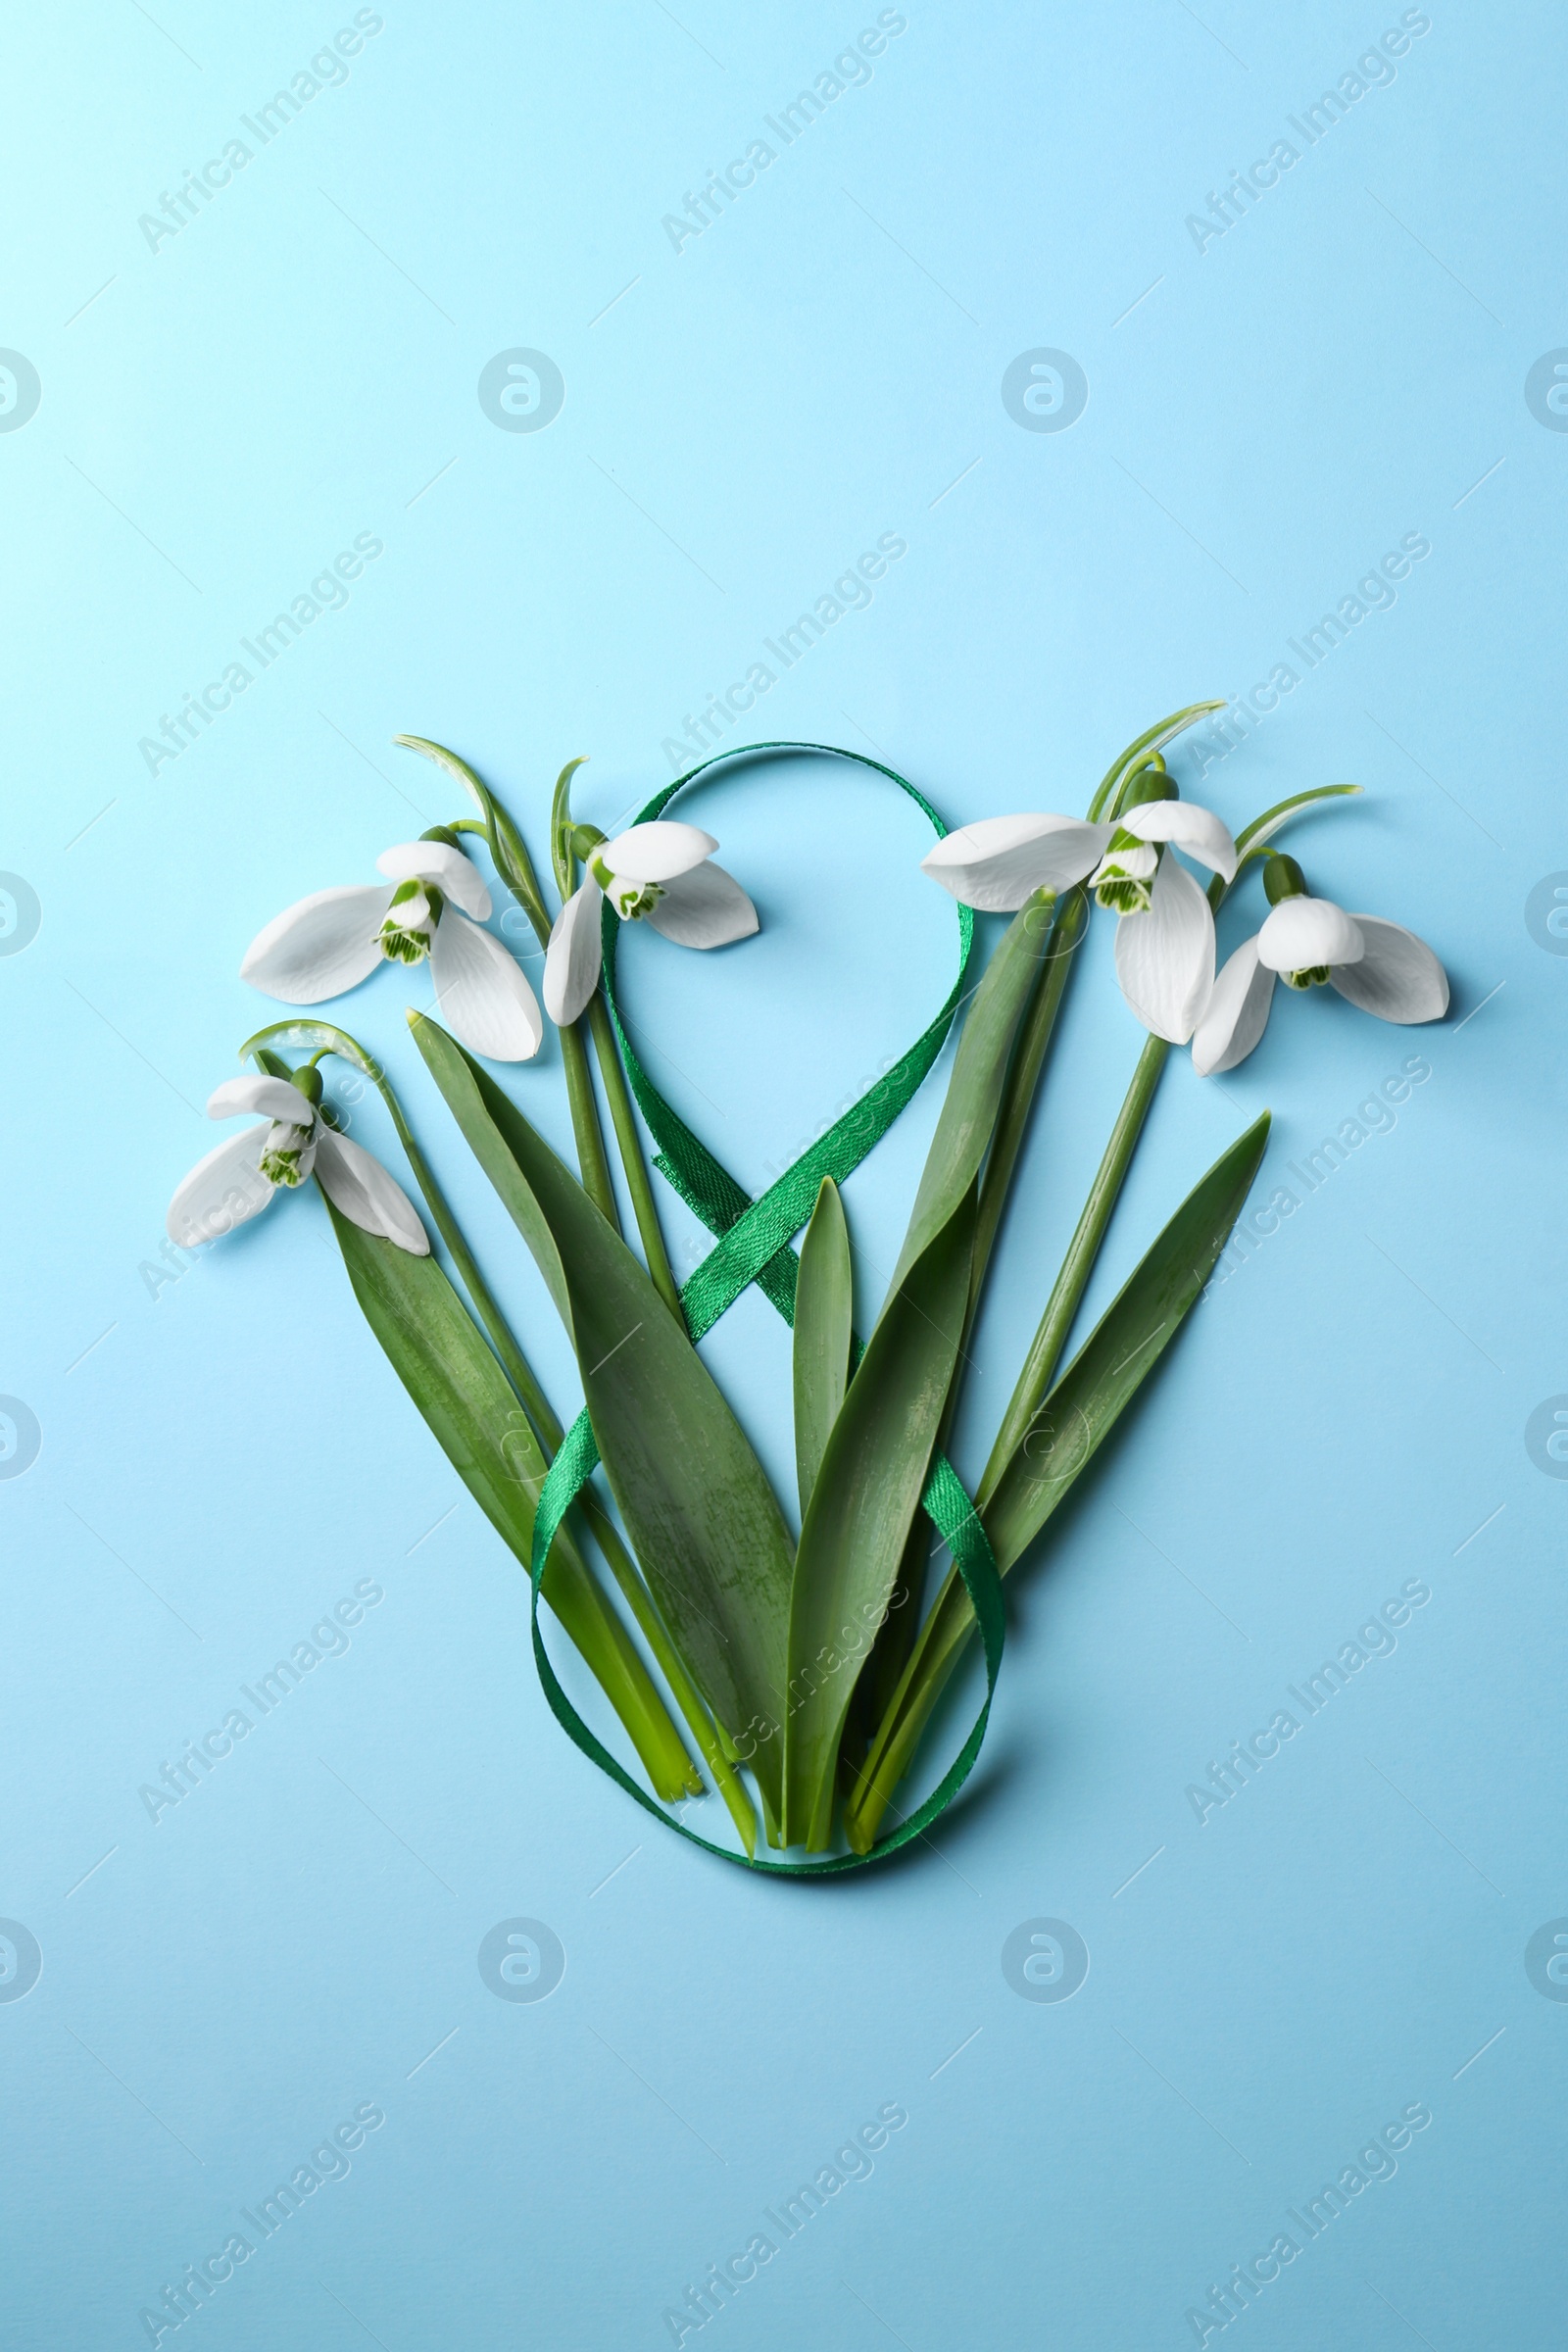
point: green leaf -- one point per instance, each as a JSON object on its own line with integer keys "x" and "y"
{"x": 974, "y": 1091}
{"x": 1121, "y": 1350}
{"x": 1067, "y": 1433}
{"x": 1154, "y": 739}
{"x": 436, "y": 1350}
{"x": 823, "y": 1333}
{"x": 561, "y": 851}
{"x": 703, "y": 1520}
{"x": 862, "y": 1504}
{"x": 1252, "y": 838}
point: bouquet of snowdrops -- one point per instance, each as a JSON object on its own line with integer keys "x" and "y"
{"x": 791, "y": 1657}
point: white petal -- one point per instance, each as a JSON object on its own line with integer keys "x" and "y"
{"x": 275, "y": 1097}
{"x": 1236, "y": 1015}
{"x": 1399, "y": 978}
{"x": 704, "y": 909}
{"x": 326, "y": 944}
{"x": 659, "y": 851}
{"x": 998, "y": 863}
{"x": 575, "y": 954}
{"x": 482, "y": 994}
{"x": 221, "y": 1191}
{"x": 1197, "y": 831}
{"x": 1299, "y": 933}
{"x": 1136, "y": 864}
{"x": 357, "y": 1185}
{"x": 1165, "y": 957}
{"x": 449, "y": 869}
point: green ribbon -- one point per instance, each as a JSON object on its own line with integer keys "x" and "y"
{"x": 755, "y": 1244}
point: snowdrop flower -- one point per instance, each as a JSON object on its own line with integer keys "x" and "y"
{"x": 245, "y": 1174}
{"x": 661, "y": 873}
{"x": 1166, "y": 934}
{"x": 335, "y": 939}
{"x": 1307, "y": 942}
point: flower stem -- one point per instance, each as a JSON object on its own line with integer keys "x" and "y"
{"x": 592, "y": 1156}
{"x": 1023, "y": 1078}
{"x": 618, "y": 1095}
{"x": 510, "y": 854}
{"x": 1044, "y": 1350}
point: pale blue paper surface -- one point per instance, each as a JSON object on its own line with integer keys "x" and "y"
{"x": 223, "y": 1456}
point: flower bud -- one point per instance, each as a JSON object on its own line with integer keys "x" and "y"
{"x": 1149, "y": 782}
{"x": 1283, "y": 878}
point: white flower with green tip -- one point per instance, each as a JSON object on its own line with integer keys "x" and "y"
{"x": 1309, "y": 943}
{"x": 433, "y": 903}
{"x": 660, "y": 874}
{"x": 1166, "y": 934}
{"x": 245, "y": 1174}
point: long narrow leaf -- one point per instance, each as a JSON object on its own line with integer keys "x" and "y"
{"x": 1253, "y": 838}
{"x": 703, "y": 1520}
{"x": 825, "y": 1306}
{"x": 1070, "y": 1427}
{"x": 435, "y": 1347}
{"x": 1122, "y": 1349}
{"x": 969, "y": 1113}
{"x": 864, "y": 1498}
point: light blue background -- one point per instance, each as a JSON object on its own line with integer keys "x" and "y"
{"x": 223, "y": 1460}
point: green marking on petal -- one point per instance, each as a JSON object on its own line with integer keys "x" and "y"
{"x": 404, "y": 946}
{"x": 1120, "y": 893}
{"x": 407, "y": 941}
{"x": 1311, "y": 976}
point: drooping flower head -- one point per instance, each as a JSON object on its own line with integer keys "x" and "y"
{"x": 1165, "y": 931}
{"x": 1309, "y": 943}
{"x": 661, "y": 873}
{"x": 245, "y": 1174}
{"x": 433, "y": 904}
